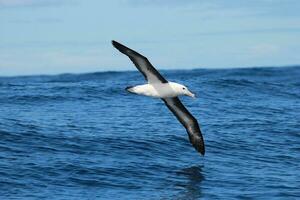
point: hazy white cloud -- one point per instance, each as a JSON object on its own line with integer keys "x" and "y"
{"x": 44, "y": 20}
{"x": 159, "y": 2}
{"x": 249, "y": 31}
{"x": 32, "y": 3}
{"x": 58, "y": 61}
{"x": 264, "y": 50}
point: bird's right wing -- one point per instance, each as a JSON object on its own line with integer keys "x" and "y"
{"x": 141, "y": 63}
{"x": 188, "y": 121}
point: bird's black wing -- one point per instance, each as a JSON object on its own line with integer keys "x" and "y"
{"x": 141, "y": 63}
{"x": 188, "y": 121}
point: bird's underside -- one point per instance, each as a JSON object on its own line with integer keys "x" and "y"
{"x": 173, "y": 103}
{"x": 157, "y": 90}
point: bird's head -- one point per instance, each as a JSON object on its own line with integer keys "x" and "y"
{"x": 183, "y": 90}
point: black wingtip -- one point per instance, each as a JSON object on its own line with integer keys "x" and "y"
{"x": 198, "y": 143}
{"x": 114, "y": 43}
{"x": 119, "y": 46}
{"x": 200, "y": 148}
{"x": 202, "y": 151}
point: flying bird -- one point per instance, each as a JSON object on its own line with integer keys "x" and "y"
{"x": 168, "y": 91}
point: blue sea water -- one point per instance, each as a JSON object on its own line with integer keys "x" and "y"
{"x": 82, "y": 136}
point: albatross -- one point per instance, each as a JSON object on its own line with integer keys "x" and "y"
{"x": 168, "y": 91}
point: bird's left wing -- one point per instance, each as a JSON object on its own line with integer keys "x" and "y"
{"x": 141, "y": 63}
{"x": 188, "y": 121}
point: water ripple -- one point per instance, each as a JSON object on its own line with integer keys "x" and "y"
{"x": 83, "y": 137}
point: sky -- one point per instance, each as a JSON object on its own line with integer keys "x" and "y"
{"x": 74, "y": 36}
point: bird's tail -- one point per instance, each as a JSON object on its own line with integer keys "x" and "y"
{"x": 129, "y": 89}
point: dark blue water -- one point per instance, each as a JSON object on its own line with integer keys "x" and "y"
{"x": 84, "y": 137}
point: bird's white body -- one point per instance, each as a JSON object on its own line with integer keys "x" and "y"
{"x": 161, "y": 90}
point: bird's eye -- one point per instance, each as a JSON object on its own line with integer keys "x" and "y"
{"x": 183, "y": 88}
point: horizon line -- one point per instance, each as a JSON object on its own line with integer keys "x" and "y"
{"x": 135, "y": 70}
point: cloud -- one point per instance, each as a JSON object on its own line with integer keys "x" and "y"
{"x": 249, "y": 31}
{"x": 32, "y": 3}
{"x": 262, "y": 50}
{"x": 54, "y": 61}
{"x": 47, "y": 20}
{"x": 159, "y": 2}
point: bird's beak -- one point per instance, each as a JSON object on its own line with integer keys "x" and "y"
{"x": 191, "y": 94}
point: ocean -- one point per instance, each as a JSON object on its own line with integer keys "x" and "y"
{"x": 82, "y": 136}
